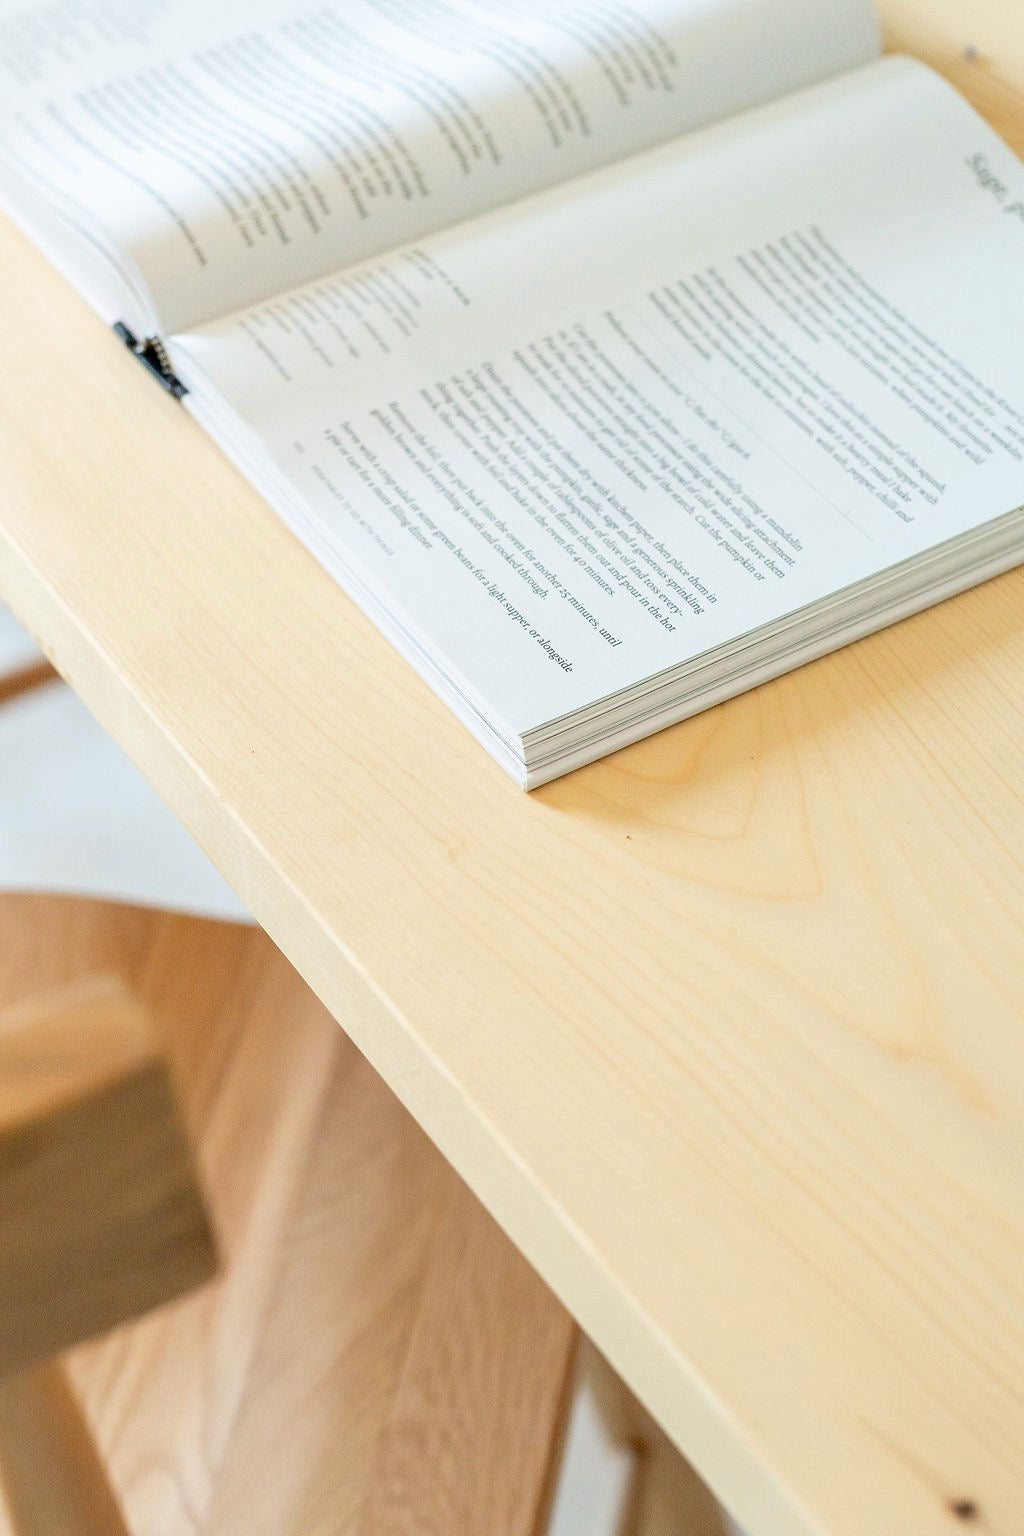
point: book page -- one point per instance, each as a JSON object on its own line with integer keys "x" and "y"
{"x": 578, "y": 444}
{"x": 235, "y": 150}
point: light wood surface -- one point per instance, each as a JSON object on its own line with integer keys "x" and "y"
{"x": 101, "y": 1219}
{"x": 375, "y": 1358}
{"x": 51, "y": 1477}
{"x": 725, "y": 1030}
{"x": 68, "y": 1044}
{"x": 101, "y": 1214}
{"x": 251, "y": 1051}
{"x": 486, "y": 1368}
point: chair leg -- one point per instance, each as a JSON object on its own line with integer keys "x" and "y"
{"x": 668, "y": 1497}
{"x": 52, "y": 1476}
{"x": 24, "y": 680}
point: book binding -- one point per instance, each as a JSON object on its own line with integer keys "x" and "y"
{"x": 152, "y": 354}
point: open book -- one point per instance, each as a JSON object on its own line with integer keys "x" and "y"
{"x": 614, "y": 355}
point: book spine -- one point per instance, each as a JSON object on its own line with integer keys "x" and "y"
{"x": 152, "y": 354}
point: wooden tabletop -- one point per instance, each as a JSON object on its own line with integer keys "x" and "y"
{"x": 727, "y": 1030}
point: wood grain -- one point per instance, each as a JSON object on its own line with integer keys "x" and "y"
{"x": 373, "y": 1335}
{"x": 250, "y": 1049}
{"x": 101, "y": 1214}
{"x": 68, "y": 1043}
{"x": 52, "y": 1479}
{"x": 101, "y": 1219}
{"x": 473, "y": 1437}
{"x": 725, "y": 1029}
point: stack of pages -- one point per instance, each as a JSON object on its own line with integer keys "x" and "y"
{"x": 613, "y": 355}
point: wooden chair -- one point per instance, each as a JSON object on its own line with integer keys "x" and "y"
{"x": 102, "y": 1219}
{"x": 664, "y": 1495}
{"x": 375, "y": 1358}
{"x": 22, "y": 666}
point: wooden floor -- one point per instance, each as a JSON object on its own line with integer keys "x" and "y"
{"x": 257, "y": 1406}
